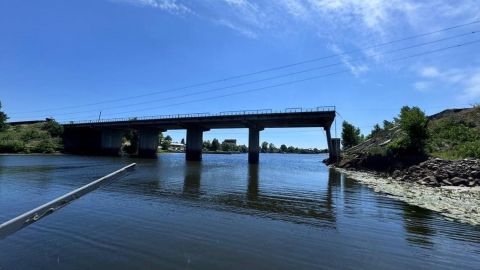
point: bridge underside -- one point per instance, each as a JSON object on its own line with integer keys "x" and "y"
{"x": 105, "y": 137}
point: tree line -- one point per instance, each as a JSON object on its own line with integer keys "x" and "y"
{"x": 225, "y": 146}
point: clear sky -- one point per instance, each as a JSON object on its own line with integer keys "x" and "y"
{"x": 72, "y": 59}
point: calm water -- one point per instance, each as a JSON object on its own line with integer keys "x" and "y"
{"x": 290, "y": 212}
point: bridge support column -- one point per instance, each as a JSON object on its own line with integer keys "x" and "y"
{"x": 333, "y": 146}
{"x": 254, "y": 145}
{"x": 111, "y": 141}
{"x": 193, "y": 151}
{"x": 148, "y": 142}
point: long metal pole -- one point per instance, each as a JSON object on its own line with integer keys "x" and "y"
{"x": 36, "y": 214}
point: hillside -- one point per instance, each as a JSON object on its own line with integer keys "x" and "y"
{"x": 453, "y": 134}
{"x": 31, "y": 138}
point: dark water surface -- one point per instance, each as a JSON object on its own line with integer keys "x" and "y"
{"x": 289, "y": 212}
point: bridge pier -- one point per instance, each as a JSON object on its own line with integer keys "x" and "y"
{"x": 193, "y": 151}
{"x": 254, "y": 145}
{"x": 148, "y": 142}
{"x": 111, "y": 141}
{"x": 333, "y": 146}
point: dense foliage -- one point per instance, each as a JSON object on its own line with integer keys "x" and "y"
{"x": 454, "y": 140}
{"x": 3, "y": 119}
{"x": 350, "y": 135}
{"x": 33, "y": 138}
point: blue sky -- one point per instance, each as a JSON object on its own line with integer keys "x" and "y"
{"x": 58, "y": 58}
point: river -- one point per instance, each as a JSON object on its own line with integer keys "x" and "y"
{"x": 288, "y": 212}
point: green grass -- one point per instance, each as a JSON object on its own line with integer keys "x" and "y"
{"x": 34, "y": 138}
{"x": 450, "y": 139}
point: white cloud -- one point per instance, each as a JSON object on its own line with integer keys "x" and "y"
{"x": 347, "y": 24}
{"x": 355, "y": 69}
{"x": 472, "y": 88}
{"x": 467, "y": 80}
{"x": 429, "y": 72}
{"x": 166, "y": 5}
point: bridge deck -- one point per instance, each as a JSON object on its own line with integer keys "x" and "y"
{"x": 318, "y": 117}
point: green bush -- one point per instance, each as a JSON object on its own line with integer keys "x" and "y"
{"x": 3, "y": 120}
{"x": 45, "y": 146}
{"x": 53, "y": 128}
{"x": 11, "y": 146}
{"x": 413, "y": 123}
{"x": 453, "y": 140}
{"x": 470, "y": 149}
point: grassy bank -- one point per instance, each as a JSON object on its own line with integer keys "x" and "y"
{"x": 32, "y": 138}
{"x": 451, "y": 134}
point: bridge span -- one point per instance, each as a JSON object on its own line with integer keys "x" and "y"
{"x": 105, "y": 136}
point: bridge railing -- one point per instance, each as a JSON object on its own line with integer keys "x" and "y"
{"x": 199, "y": 115}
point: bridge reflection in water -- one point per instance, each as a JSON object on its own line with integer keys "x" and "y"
{"x": 340, "y": 196}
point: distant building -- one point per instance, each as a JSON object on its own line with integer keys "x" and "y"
{"x": 231, "y": 141}
{"x": 177, "y": 147}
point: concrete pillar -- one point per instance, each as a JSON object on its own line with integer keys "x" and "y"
{"x": 193, "y": 151}
{"x": 335, "y": 142}
{"x": 254, "y": 145}
{"x": 148, "y": 142}
{"x": 111, "y": 141}
{"x": 329, "y": 142}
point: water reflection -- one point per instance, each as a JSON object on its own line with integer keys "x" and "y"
{"x": 193, "y": 175}
{"x": 285, "y": 213}
{"x": 416, "y": 221}
{"x": 252, "y": 191}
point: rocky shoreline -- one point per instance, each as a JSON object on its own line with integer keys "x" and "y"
{"x": 452, "y": 202}
{"x": 439, "y": 172}
{"x": 433, "y": 172}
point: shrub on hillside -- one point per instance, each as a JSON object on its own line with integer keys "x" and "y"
{"x": 413, "y": 123}
{"x": 53, "y": 128}
{"x": 3, "y": 119}
{"x": 11, "y": 146}
{"x": 45, "y": 146}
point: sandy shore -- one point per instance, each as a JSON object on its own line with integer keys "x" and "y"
{"x": 454, "y": 203}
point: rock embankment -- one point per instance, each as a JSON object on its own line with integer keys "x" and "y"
{"x": 439, "y": 172}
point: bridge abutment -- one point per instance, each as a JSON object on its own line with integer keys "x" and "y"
{"x": 254, "y": 145}
{"x": 148, "y": 142}
{"x": 193, "y": 151}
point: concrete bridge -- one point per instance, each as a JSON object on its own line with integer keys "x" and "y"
{"x": 105, "y": 136}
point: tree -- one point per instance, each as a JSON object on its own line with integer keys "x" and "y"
{"x": 207, "y": 145}
{"x": 388, "y": 125}
{"x": 350, "y": 135}
{"x": 215, "y": 145}
{"x": 272, "y": 148}
{"x": 3, "y": 119}
{"x": 160, "y": 138}
{"x": 53, "y": 128}
{"x": 243, "y": 148}
{"x": 226, "y": 146}
{"x": 376, "y": 129}
{"x": 264, "y": 148}
{"x": 183, "y": 141}
{"x": 166, "y": 142}
{"x": 413, "y": 122}
{"x": 283, "y": 148}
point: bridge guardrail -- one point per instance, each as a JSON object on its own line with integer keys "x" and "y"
{"x": 199, "y": 115}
